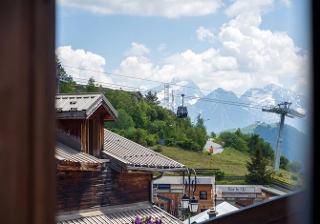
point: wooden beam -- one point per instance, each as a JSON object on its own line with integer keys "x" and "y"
{"x": 71, "y": 115}
{"x": 27, "y": 115}
{"x": 77, "y": 166}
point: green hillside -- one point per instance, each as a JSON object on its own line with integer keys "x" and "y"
{"x": 232, "y": 162}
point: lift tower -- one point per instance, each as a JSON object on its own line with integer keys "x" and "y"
{"x": 166, "y": 94}
{"x": 283, "y": 109}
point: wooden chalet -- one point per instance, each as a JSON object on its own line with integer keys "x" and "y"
{"x": 101, "y": 175}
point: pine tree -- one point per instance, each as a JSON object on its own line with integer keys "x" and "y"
{"x": 257, "y": 167}
{"x": 66, "y": 83}
{"x": 91, "y": 86}
{"x": 152, "y": 98}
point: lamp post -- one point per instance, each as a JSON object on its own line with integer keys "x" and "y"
{"x": 212, "y": 211}
{"x": 189, "y": 203}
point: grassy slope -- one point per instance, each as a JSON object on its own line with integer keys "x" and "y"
{"x": 230, "y": 161}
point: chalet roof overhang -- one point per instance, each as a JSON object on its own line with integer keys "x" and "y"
{"x": 69, "y": 159}
{"x": 83, "y": 106}
{"x": 120, "y": 165}
{"x": 116, "y": 214}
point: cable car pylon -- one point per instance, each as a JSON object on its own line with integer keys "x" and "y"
{"x": 283, "y": 109}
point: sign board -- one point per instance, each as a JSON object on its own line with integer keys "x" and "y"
{"x": 238, "y": 189}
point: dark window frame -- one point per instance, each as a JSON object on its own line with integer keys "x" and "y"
{"x": 200, "y": 195}
{"x": 164, "y": 187}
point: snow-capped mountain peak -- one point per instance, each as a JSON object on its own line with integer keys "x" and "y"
{"x": 220, "y": 115}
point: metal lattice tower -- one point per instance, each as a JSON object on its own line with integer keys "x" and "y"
{"x": 172, "y": 100}
{"x": 283, "y": 110}
{"x": 166, "y": 95}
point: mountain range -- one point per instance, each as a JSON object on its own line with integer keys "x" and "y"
{"x": 293, "y": 144}
{"x": 222, "y": 109}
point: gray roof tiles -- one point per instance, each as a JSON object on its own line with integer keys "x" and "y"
{"x": 135, "y": 155}
{"x": 65, "y": 153}
{"x": 117, "y": 214}
{"x": 83, "y": 103}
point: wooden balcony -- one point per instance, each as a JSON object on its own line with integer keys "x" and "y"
{"x": 285, "y": 209}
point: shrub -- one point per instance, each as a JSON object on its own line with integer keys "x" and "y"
{"x": 284, "y": 162}
{"x": 151, "y": 139}
{"x": 158, "y": 148}
{"x": 219, "y": 174}
{"x": 207, "y": 153}
{"x": 233, "y": 140}
{"x": 170, "y": 142}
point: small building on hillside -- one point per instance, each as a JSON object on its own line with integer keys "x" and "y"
{"x": 212, "y": 147}
{"x": 168, "y": 191}
{"x": 102, "y": 177}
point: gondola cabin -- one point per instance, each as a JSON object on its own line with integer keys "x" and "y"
{"x": 182, "y": 111}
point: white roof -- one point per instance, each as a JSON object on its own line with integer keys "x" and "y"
{"x": 178, "y": 180}
{"x": 222, "y": 208}
{"x": 82, "y": 104}
{"x": 216, "y": 146}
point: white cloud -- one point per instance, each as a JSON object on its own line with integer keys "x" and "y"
{"x": 248, "y": 57}
{"x": 249, "y": 6}
{"x": 270, "y": 56}
{"x": 209, "y": 69}
{"x": 163, "y": 8}
{"x": 204, "y": 34}
{"x": 137, "y": 49}
{"x": 140, "y": 66}
{"x": 82, "y": 65}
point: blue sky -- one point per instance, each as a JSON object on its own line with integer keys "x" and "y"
{"x": 159, "y": 43}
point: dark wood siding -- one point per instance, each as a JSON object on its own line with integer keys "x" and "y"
{"x": 88, "y": 132}
{"x": 71, "y": 126}
{"x": 83, "y": 190}
{"x": 130, "y": 187}
{"x": 96, "y": 129}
